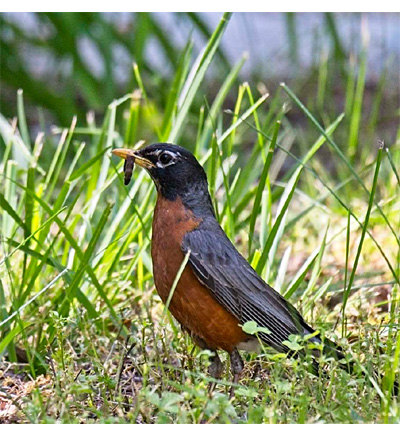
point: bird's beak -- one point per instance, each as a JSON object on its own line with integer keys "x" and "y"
{"x": 139, "y": 160}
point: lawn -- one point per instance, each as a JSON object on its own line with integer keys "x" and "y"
{"x": 305, "y": 181}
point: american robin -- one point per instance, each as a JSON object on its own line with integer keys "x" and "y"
{"x": 218, "y": 291}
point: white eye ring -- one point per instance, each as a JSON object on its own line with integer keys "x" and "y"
{"x": 165, "y": 159}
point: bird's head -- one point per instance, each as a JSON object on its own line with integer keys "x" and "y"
{"x": 175, "y": 172}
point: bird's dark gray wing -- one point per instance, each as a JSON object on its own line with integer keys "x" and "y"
{"x": 235, "y": 285}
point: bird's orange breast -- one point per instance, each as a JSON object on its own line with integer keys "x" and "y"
{"x": 192, "y": 304}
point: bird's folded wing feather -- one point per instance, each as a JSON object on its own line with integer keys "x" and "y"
{"x": 236, "y": 286}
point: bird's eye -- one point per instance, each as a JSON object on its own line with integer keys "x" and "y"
{"x": 165, "y": 158}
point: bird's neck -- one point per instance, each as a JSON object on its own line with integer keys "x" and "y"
{"x": 195, "y": 198}
{"x": 200, "y": 204}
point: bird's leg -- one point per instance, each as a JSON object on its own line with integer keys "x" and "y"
{"x": 215, "y": 370}
{"x": 216, "y": 367}
{"x": 237, "y": 368}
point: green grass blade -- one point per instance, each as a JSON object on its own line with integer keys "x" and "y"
{"x": 355, "y": 118}
{"x": 262, "y": 183}
{"x": 84, "y": 263}
{"x": 5, "y": 205}
{"x": 218, "y": 102}
{"x": 235, "y": 124}
{"x": 395, "y": 171}
{"x": 59, "y": 159}
{"x": 364, "y": 228}
{"x": 285, "y": 202}
{"x": 301, "y": 274}
{"x": 172, "y": 101}
{"x": 9, "y": 338}
{"x": 23, "y": 126}
{"x": 195, "y": 78}
{"x": 81, "y": 170}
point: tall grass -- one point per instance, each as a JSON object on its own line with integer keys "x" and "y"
{"x": 77, "y": 300}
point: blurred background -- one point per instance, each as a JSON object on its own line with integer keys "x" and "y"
{"x": 68, "y": 64}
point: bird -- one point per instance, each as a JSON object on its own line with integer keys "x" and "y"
{"x": 218, "y": 291}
